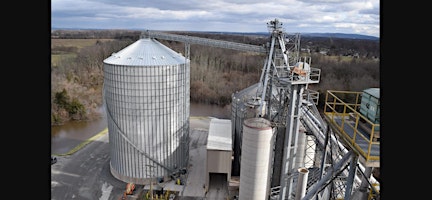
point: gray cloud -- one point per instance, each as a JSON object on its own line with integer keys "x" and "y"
{"x": 302, "y": 16}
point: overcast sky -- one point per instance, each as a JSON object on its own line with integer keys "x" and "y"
{"x": 297, "y": 16}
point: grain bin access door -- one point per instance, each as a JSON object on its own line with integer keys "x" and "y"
{"x": 370, "y": 104}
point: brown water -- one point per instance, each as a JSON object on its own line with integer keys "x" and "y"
{"x": 210, "y": 111}
{"x": 67, "y": 136}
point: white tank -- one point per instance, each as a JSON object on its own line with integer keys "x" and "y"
{"x": 255, "y": 159}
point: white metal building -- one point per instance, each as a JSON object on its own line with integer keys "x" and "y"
{"x": 219, "y": 149}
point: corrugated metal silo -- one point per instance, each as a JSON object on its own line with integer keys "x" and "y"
{"x": 146, "y": 94}
{"x": 240, "y": 110}
{"x": 255, "y": 168}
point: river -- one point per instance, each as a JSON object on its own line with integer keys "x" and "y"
{"x": 69, "y": 135}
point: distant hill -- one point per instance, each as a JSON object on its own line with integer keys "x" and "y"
{"x": 324, "y": 35}
{"x": 315, "y": 35}
{"x": 340, "y": 35}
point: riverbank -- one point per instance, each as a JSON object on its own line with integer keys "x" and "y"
{"x": 195, "y": 122}
{"x": 70, "y": 135}
{"x": 81, "y": 145}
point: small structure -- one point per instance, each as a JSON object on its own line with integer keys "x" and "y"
{"x": 219, "y": 149}
{"x": 370, "y": 104}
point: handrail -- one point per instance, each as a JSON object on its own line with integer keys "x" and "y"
{"x": 343, "y": 115}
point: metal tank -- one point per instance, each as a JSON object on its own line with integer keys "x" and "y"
{"x": 245, "y": 105}
{"x": 146, "y": 96}
{"x": 242, "y": 107}
{"x": 255, "y": 168}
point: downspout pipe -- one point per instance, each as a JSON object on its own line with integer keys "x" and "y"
{"x": 301, "y": 183}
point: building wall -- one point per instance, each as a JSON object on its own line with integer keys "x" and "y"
{"x": 218, "y": 162}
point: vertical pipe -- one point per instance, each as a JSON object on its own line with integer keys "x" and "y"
{"x": 287, "y": 146}
{"x": 266, "y": 75}
{"x": 301, "y": 149}
{"x": 301, "y": 183}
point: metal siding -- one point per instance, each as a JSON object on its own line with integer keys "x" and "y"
{"x": 218, "y": 161}
{"x": 373, "y": 91}
{"x": 240, "y": 112}
{"x": 147, "y": 105}
{"x": 219, "y": 137}
{"x": 370, "y": 104}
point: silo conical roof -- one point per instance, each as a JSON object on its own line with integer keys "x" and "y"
{"x": 146, "y": 52}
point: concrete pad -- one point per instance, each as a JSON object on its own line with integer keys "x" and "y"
{"x": 195, "y": 181}
{"x": 218, "y": 189}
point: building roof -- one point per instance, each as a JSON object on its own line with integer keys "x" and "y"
{"x": 373, "y": 91}
{"x": 219, "y": 136}
{"x": 146, "y": 52}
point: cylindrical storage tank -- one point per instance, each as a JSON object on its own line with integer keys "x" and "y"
{"x": 239, "y": 112}
{"x": 255, "y": 160}
{"x": 146, "y": 96}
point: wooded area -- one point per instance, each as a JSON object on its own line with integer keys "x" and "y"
{"x": 216, "y": 73}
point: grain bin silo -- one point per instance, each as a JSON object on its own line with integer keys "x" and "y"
{"x": 146, "y": 94}
{"x": 255, "y": 168}
{"x": 242, "y": 107}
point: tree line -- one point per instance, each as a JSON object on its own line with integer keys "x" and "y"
{"x": 215, "y": 74}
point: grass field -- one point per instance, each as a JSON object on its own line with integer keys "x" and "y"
{"x": 79, "y": 43}
{"x": 56, "y": 57}
{"x": 340, "y": 58}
